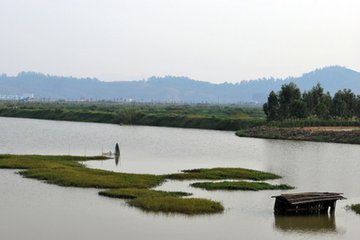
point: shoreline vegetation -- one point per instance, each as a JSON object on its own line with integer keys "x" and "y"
{"x": 309, "y": 116}
{"x": 247, "y": 121}
{"x": 201, "y": 116}
{"x": 68, "y": 171}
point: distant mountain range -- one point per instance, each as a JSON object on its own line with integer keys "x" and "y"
{"x": 171, "y": 89}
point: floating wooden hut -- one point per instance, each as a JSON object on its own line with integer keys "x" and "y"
{"x": 306, "y": 203}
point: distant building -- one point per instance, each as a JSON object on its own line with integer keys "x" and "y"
{"x": 24, "y": 97}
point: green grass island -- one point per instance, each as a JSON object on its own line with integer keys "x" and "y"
{"x": 240, "y": 185}
{"x": 136, "y": 189}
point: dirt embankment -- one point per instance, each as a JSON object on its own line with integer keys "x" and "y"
{"x": 318, "y": 134}
{"x": 334, "y": 129}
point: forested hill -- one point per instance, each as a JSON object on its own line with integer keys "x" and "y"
{"x": 171, "y": 89}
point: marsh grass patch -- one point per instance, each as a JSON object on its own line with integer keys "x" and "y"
{"x": 222, "y": 174}
{"x": 240, "y": 185}
{"x": 190, "y": 206}
{"x": 165, "y": 202}
{"x": 68, "y": 171}
{"x": 132, "y": 193}
{"x": 135, "y": 188}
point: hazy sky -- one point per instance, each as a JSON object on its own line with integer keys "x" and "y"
{"x": 213, "y": 40}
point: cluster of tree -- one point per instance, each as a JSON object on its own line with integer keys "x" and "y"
{"x": 290, "y": 103}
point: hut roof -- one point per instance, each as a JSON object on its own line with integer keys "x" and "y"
{"x": 308, "y": 197}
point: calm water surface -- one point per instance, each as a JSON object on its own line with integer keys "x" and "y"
{"x": 30, "y": 209}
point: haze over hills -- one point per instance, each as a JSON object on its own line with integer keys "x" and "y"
{"x": 172, "y": 89}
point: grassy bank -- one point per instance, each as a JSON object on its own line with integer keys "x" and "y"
{"x": 217, "y": 117}
{"x": 135, "y": 188}
{"x": 240, "y": 185}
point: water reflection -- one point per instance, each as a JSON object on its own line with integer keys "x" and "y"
{"x": 117, "y": 160}
{"x": 323, "y": 223}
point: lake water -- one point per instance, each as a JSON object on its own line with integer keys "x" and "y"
{"x": 30, "y": 209}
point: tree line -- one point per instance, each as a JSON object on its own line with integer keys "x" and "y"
{"x": 290, "y": 103}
